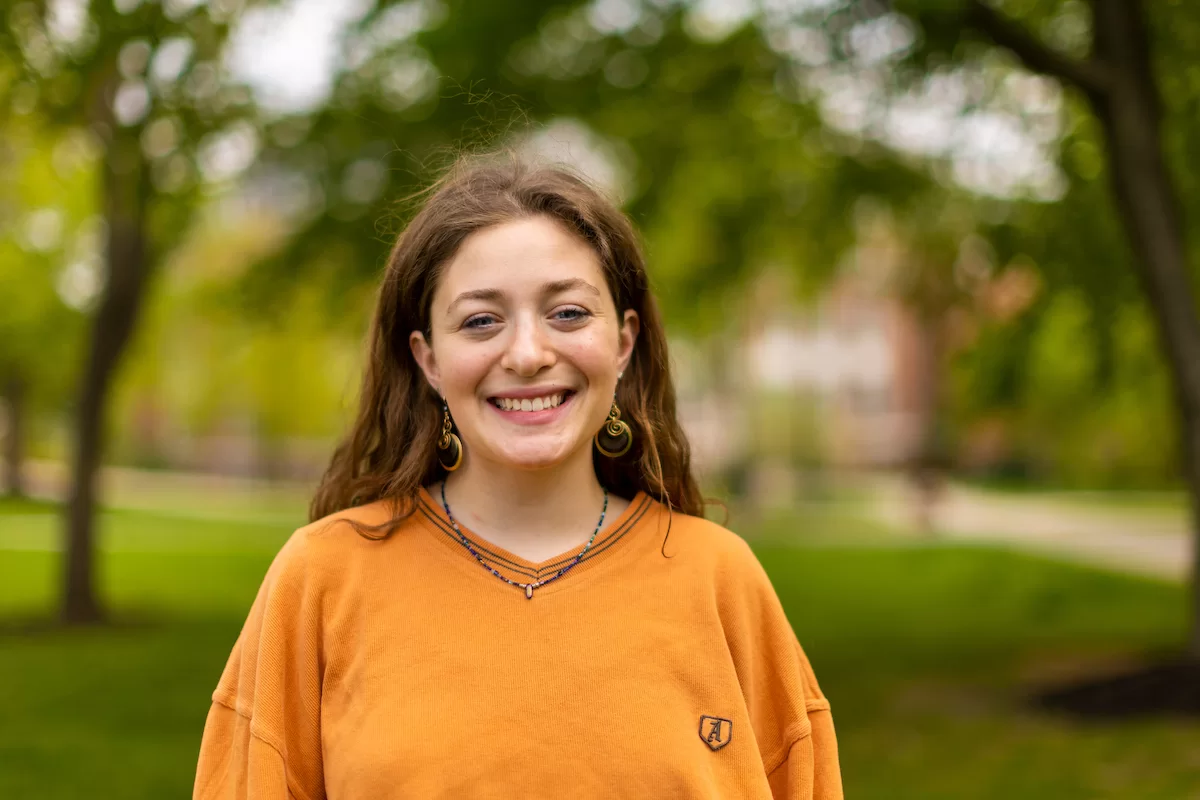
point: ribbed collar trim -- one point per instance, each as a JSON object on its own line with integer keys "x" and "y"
{"x": 431, "y": 513}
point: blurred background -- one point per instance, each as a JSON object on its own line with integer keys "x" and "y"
{"x": 927, "y": 268}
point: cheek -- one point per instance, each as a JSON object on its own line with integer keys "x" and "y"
{"x": 592, "y": 353}
{"x": 463, "y": 367}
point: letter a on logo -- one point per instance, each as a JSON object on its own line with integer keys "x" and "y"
{"x": 716, "y": 731}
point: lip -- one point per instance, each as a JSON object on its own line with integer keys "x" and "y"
{"x": 543, "y": 417}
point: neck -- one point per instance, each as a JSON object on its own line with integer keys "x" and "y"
{"x": 528, "y": 511}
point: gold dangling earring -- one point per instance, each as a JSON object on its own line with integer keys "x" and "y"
{"x": 450, "y": 449}
{"x": 615, "y": 438}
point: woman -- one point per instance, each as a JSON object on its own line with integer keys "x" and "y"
{"x": 524, "y": 599}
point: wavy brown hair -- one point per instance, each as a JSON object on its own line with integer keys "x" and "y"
{"x": 389, "y": 452}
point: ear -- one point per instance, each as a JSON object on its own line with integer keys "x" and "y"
{"x": 423, "y": 355}
{"x": 630, "y": 326}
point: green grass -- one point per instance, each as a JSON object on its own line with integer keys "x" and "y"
{"x": 928, "y": 653}
{"x": 925, "y": 652}
{"x": 122, "y": 707}
{"x": 25, "y": 505}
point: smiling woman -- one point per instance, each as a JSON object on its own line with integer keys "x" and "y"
{"x": 525, "y": 593}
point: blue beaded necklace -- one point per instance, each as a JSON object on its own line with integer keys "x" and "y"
{"x": 528, "y": 587}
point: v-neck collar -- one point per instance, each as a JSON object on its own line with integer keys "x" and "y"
{"x": 514, "y": 567}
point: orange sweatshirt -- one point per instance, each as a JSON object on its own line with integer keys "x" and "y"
{"x": 402, "y": 668}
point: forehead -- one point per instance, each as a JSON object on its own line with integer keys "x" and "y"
{"x": 517, "y": 256}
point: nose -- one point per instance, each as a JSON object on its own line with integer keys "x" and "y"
{"x": 529, "y": 349}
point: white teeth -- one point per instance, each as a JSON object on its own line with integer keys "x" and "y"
{"x": 535, "y": 404}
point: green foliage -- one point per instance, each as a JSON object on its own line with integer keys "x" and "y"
{"x": 731, "y": 166}
{"x": 200, "y": 364}
{"x": 48, "y": 241}
{"x": 128, "y": 109}
{"x": 1079, "y": 382}
{"x": 400, "y": 113}
{"x": 728, "y": 172}
{"x": 145, "y": 82}
{"x": 1075, "y": 418}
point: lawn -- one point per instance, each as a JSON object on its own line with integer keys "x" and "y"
{"x": 926, "y": 653}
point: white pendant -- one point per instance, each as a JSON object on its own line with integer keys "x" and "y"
{"x": 529, "y": 591}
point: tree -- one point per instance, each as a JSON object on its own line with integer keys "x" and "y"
{"x": 143, "y": 82}
{"x": 1119, "y": 75}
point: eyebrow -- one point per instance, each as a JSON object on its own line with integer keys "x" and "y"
{"x": 553, "y": 287}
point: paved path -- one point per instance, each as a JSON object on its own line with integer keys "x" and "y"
{"x": 1153, "y": 542}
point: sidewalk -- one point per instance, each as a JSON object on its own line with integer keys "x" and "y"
{"x": 1152, "y": 542}
{"x": 191, "y": 494}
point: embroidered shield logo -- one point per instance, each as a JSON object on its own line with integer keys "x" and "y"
{"x": 716, "y": 731}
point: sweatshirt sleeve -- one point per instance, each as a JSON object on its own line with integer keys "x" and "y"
{"x": 262, "y": 738}
{"x": 810, "y": 768}
{"x": 789, "y": 713}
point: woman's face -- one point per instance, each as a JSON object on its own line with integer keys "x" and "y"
{"x": 526, "y": 344}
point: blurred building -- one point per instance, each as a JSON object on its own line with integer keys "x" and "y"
{"x": 842, "y": 382}
{"x": 857, "y": 354}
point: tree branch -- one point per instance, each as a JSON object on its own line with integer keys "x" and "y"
{"x": 1091, "y": 75}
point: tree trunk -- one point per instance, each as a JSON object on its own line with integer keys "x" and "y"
{"x": 1130, "y": 112}
{"x": 124, "y": 203}
{"x": 928, "y": 464}
{"x": 14, "y": 442}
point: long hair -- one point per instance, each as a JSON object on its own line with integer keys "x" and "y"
{"x": 389, "y": 452}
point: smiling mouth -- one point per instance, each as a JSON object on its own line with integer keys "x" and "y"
{"x": 531, "y": 403}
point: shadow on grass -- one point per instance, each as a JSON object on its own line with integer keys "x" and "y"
{"x": 1168, "y": 685}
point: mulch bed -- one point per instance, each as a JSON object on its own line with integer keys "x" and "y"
{"x": 1167, "y": 688}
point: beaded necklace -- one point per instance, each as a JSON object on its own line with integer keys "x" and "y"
{"x": 528, "y": 587}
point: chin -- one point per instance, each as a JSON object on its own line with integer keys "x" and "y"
{"x": 532, "y": 459}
